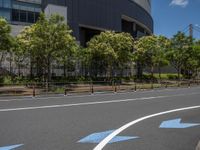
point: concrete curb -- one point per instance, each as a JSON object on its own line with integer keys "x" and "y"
{"x": 198, "y": 146}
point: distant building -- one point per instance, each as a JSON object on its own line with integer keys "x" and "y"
{"x": 20, "y": 13}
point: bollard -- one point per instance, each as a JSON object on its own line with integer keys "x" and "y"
{"x": 189, "y": 84}
{"x": 115, "y": 87}
{"x": 34, "y": 91}
{"x": 135, "y": 87}
{"x": 179, "y": 84}
{"x": 65, "y": 91}
{"x": 151, "y": 85}
{"x": 92, "y": 88}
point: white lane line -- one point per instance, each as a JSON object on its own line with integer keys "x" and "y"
{"x": 105, "y": 141}
{"x": 27, "y": 98}
{"x": 80, "y": 104}
{"x": 93, "y": 103}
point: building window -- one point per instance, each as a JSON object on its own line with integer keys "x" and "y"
{"x": 31, "y": 17}
{"x": 23, "y": 16}
{"x": 1, "y": 3}
{"x": 5, "y": 3}
{"x": 15, "y": 15}
{"x": 37, "y": 16}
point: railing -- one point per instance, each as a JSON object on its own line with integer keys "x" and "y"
{"x": 90, "y": 87}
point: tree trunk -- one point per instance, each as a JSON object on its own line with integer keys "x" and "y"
{"x": 152, "y": 76}
{"x": 49, "y": 70}
{"x": 64, "y": 69}
{"x": 178, "y": 73}
{"x": 10, "y": 64}
{"x": 159, "y": 70}
{"x": 139, "y": 71}
{"x": 31, "y": 68}
{"x": 178, "y": 76}
{"x": 1, "y": 60}
{"x": 19, "y": 70}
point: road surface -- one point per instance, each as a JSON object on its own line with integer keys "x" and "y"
{"x": 147, "y": 120}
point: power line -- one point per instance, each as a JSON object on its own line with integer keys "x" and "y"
{"x": 185, "y": 29}
{"x": 197, "y": 26}
{"x": 198, "y": 30}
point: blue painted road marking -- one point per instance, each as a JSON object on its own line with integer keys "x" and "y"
{"x": 98, "y": 137}
{"x": 176, "y": 124}
{"x": 11, "y": 147}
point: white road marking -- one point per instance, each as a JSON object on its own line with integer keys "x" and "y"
{"x": 79, "y": 104}
{"x": 93, "y": 103}
{"x": 105, "y": 141}
{"x": 27, "y": 98}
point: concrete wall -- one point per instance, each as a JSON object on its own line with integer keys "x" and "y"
{"x": 55, "y": 9}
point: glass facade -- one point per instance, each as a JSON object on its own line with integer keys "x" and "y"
{"x": 5, "y": 3}
{"x": 20, "y": 11}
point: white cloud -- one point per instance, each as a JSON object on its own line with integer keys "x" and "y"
{"x": 182, "y": 3}
{"x": 197, "y": 25}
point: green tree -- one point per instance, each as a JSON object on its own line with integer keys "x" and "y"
{"x": 179, "y": 51}
{"x": 147, "y": 51}
{"x": 194, "y": 60}
{"x": 6, "y": 40}
{"x": 161, "y": 58}
{"x": 84, "y": 59}
{"x": 48, "y": 42}
{"x": 67, "y": 47}
{"x": 110, "y": 48}
{"x": 23, "y": 49}
{"x": 150, "y": 52}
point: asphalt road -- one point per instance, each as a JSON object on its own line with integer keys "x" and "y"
{"x": 58, "y": 123}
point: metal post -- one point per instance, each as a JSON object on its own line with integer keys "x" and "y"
{"x": 34, "y": 90}
{"x": 166, "y": 85}
{"x": 92, "y": 88}
{"x": 65, "y": 91}
{"x": 115, "y": 87}
{"x": 152, "y": 85}
{"x": 135, "y": 87}
{"x": 189, "y": 84}
{"x": 179, "y": 84}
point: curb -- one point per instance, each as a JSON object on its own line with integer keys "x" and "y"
{"x": 198, "y": 146}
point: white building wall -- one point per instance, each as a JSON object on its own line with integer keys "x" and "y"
{"x": 55, "y": 9}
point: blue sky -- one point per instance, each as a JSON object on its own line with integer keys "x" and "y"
{"x": 171, "y": 16}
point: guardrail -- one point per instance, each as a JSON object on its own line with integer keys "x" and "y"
{"x": 69, "y": 88}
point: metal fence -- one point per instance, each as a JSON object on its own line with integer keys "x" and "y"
{"x": 89, "y": 87}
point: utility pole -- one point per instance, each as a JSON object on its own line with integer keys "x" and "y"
{"x": 191, "y": 30}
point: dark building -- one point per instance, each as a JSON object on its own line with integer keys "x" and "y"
{"x": 89, "y": 17}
